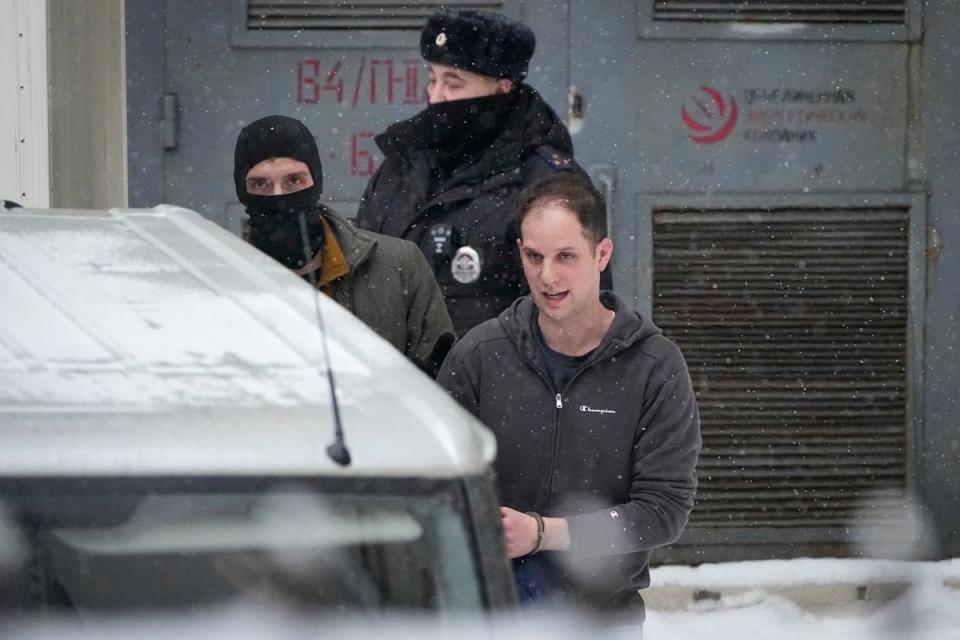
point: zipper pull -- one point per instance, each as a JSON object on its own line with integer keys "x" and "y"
{"x": 559, "y": 402}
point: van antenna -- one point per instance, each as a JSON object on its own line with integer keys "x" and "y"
{"x": 337, "y": 450}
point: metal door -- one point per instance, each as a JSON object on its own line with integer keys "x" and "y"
{"x": 199, "y": 71}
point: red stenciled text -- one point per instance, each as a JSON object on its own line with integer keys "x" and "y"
{"x": 362, "y": 160}
{"x": 362, "y": 81}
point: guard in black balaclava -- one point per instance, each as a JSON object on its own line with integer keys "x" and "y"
{"x": 275, "y": 220}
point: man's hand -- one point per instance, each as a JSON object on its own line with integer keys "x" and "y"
{"x": 519, "y": 532}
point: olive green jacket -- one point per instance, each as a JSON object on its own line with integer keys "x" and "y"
{"x": 391, "y": 288}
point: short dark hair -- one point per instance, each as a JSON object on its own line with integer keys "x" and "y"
{"x": 572, "y": 192}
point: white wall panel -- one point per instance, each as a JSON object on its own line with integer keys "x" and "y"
{"x": 24, "y": 150}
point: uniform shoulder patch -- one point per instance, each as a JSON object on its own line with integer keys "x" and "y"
{"x": 557, "y": 159}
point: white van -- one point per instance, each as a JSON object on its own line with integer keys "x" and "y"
{"x": 166, "y": 416}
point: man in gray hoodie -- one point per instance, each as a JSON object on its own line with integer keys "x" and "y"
{"x": 596, "y": 421}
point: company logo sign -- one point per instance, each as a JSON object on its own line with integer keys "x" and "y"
{"x": 709, "y": 116}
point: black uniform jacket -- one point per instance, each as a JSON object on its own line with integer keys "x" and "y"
{"x": 614, "y": 451}
{"x": 473, "y": 207}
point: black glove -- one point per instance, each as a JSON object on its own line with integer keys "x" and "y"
{"x": 431, "y": 366}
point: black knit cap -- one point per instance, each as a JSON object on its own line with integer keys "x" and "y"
{"x": 486, "y": 43}
{"x": 274, "y": 137}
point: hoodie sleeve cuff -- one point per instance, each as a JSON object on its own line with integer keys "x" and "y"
{"x": 599, "y": 533}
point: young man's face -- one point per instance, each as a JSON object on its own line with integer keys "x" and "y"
{"x": 449, "y": 83}
{"x": 562, "y": 266}
{"x": 278, "y": 176}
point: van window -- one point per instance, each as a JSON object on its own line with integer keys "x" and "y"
{"x": 145, "y": 550}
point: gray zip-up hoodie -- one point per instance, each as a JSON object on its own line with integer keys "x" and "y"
{"x": 614, "y": 451}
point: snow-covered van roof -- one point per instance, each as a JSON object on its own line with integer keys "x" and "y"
{"x": 153, "y": 342}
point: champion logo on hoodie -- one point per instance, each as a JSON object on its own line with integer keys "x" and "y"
{"x": 585, "y": 409}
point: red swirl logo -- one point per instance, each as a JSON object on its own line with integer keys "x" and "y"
{"x": 709, "y": 117}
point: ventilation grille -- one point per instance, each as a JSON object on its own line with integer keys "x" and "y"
{"x": 816, "y": 11}
{"x": 794, "y": 324}
{"x": 290, "y": 15}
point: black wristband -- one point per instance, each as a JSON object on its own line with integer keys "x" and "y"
{"x": 539, "y": 545}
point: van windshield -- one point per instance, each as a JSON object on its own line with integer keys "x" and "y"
{"x": 101, "y": 546}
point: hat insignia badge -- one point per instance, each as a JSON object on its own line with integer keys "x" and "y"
{"x": 441, "y": 39}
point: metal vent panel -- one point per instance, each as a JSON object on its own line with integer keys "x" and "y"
{"x": 295, "y": 15}
{"x": 794, "y": 326}
{"x": 767, "y": 11}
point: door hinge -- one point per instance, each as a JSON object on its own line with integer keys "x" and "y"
{"x": 933, "y": 243}
{"x": 171, "y": 128}
{"x": 574, "y": 111}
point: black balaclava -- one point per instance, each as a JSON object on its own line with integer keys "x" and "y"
{"x": 275, "y": 220}
{"x": 461, "y": 129}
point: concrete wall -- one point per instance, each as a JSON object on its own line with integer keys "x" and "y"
{"x": 87, "y": 101}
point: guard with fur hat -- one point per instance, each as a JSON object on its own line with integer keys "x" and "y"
{"x": 451, "y": 173}
{"x": 382, "y": 280}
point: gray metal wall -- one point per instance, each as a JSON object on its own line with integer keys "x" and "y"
{"x": 827, "y": 119}
{"x": 938, "y": 171}
{"x": 213, "y": 77}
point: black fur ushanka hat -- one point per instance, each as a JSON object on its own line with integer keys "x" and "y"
{"x": 483, "y": 42}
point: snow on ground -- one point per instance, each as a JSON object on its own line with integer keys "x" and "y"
{"x": 928, "y": 610}
{"x": 805, "y": 571}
